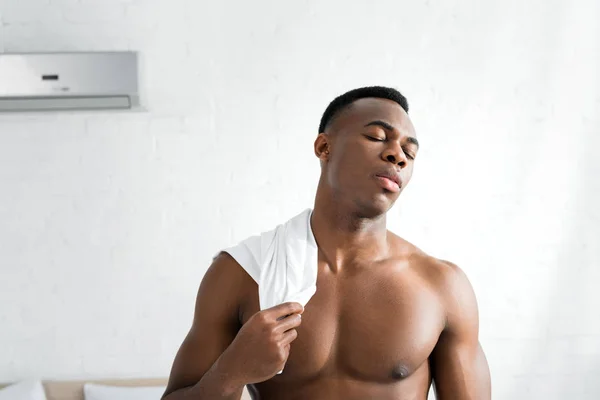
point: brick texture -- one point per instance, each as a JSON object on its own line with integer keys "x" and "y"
{"x": 109, "y": 220}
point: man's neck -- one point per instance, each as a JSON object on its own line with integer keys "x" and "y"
{"x": 344, "y": 236}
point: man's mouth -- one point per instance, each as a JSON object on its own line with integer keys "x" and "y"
{"x": 389, "y": 183}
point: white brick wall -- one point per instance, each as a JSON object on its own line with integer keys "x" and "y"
{"x": 109, "y": 220}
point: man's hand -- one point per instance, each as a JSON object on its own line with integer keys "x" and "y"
{"x": 217, "y": 357}
{"x": 262, "y": 346}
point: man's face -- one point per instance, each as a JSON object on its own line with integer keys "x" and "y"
{"x": 367, "y": 147}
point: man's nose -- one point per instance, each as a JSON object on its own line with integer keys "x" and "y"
{"x": 395, "y": 155}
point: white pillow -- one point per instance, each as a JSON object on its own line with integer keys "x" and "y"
{"x": 93, "y": 391}
{"x": 25, "y": 390}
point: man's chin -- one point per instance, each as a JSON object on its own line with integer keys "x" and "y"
{"x": 377, "y": 207}
{"x": 387, "y": 198}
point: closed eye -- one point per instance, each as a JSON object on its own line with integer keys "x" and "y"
{"x": 410, "y": 156}
{"x": 375, "y": 139}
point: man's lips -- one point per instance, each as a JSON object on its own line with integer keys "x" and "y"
{"x": 391, "y": 174}
{"x": 390, "y": 183}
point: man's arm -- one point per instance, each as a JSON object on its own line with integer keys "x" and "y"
{"x": 459, "y": 367}
{"x": 197, "y": 372}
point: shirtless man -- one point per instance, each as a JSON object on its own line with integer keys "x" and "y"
{"x": 386, "y": 319}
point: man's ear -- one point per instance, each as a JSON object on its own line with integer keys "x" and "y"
{"x": 322, "y": 146}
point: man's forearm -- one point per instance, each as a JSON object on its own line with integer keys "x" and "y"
{"x": 216, "y": 384}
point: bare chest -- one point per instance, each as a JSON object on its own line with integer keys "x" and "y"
{"x": 371, "y": 326}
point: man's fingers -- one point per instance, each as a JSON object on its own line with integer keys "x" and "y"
{"x": 289, "y": 322}
{"x": 283, "y": 310}
{"x": 289, "y": 336}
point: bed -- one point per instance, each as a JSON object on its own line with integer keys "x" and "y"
{"x": 73, "y": 390}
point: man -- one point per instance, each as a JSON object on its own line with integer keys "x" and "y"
{"x": 386, "y": 319}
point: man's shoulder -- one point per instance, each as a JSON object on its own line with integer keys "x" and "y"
{"x": 450, "y": 282}
{"x": 225, "y": 266}
{"x": 251, "y": 252}
{"x": 445, "y": 276}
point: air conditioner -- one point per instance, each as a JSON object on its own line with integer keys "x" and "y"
{"x": 68, "y": 81}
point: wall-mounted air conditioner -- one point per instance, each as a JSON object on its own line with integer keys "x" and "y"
{"x": 68, "y": 81}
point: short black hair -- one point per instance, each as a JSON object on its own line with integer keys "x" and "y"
{"x": 343, "y": 101}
